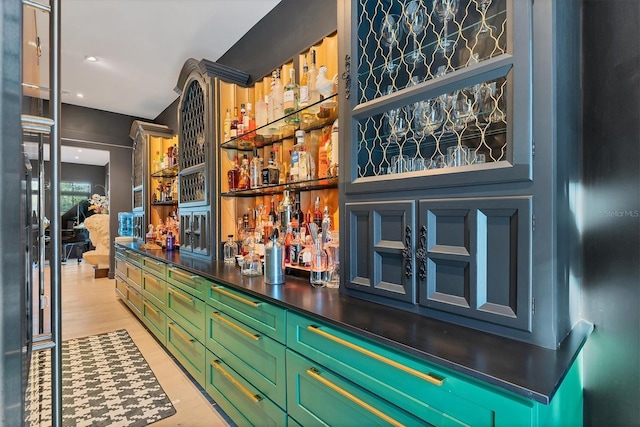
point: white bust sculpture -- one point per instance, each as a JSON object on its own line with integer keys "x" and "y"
{"x": 98, "y": 227}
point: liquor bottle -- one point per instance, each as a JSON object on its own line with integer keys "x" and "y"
{"x": 312, "y": 77}
{"x": 265, "y": 171}
{"x": 323, "y": 155}
{"x": 291, "y": 98}
{"x": 261, "y": 112}
{"x": 255, "y": 171}
{"x": 249, "y": 122}
{"x": 279, "y": 164}
{"x": 317, "y": 213}
{"x": 295, "y": 248}
{"x": 272, "y": 171}
{"x": 288, "y": 237}
{"x": 277, "y": 97}
{"x": 240, "y": 128}
{"x": 233, "y": 129}
{"x": 233, "y": 176}
{"x": 226, "y": 126}
{"x": 304, "y": 84}
{"x": 294, "y": 170}
{"x": 273, "y": 216}
{"x": 245, "y": 179}
{"x": 287, "y": 209}
{"x": 298, "y": 215}
{"x": 334, "y": 154}
{"x": 307, "y": 221}
{"x": 230, "y": 250}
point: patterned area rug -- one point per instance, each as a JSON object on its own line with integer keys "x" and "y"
{"x": 106, "y": 382}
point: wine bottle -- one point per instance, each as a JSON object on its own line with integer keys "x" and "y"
{"x": 304, "y": 84}
{"x": 291, "y": 98}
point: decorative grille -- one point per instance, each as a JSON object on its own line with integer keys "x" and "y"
{"x": 405, "y": 43}
{"x": 193, "y": 151}
{"x": 192, "y": 187}
{"x": 138, "y": 160}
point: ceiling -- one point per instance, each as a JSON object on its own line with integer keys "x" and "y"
{"x": 141, "y": 46}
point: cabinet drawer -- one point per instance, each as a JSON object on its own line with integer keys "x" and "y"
{"x": 134, "y": 257}
{"x": 158, "y": 268}
{"x": 238, "y": 398}
{"x": 264, "y": 317}
{"x": 154, "y": 289}
{"x": 155, "y": 320}
{"x": 421, "y": 388}
{"x": 191, "y": 283}
{"x": 187, "y": 311}
{"x": 134, "y": 300}
{"x": 134, "y": 275}
{"x": 258, "y": 358}
{"x": 121, "y": 252}
{"x": 317, "y": 396}
{"x": 121, "y": 288}
{"x": 121, "y": 267}
{"x": 189, "y": 352}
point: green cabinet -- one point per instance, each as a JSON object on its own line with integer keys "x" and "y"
{"x": 186, "y": 310}
{"x": 154, "y": 289}
{"x": 187, "y": 350}
{"x": 155, "y": 320}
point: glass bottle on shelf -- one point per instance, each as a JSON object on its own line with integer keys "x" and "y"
{"x": 298, "y": 215}
{"x": 319, "y": 264}
{"x": 306, "y": 254}
{"x": 230, "y": 250}
{"x": 314, "y": 95}
{"x": 233, "y": 175}
{"x": 277, "y": 94}
{"x": 226, "y": 125}
{"x": 304, "y": 84}
{"x": 295, "y": 248}
{"x": 255, "y": 171}
{"x": 249, "y": 123}
{"x": 233, "y": 129}
{"x": 317, "y": 213}
{"x": 287, "y": 209}
{"x": 291, "y": 98}
{"x": 245, "y": 178}
{"x": 261, "y": 112}
{"x": 241, "y": 120}
{"x": 277, "y": 159}
{"x": 288, "y": 237}
{"x": 252, "y": 263}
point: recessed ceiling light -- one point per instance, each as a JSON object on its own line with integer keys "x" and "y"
{"x": 79, "y": 95}
{"x": 77, "y": 157}
{"x": 91, "y": 58}
{"x": 79, "y": 150}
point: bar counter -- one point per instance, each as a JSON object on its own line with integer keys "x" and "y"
{"x": 524, "y": 369}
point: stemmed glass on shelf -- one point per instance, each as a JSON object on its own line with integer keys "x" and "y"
{"x": 446, "y": 11}
{"x": 414, "y": 22}
{"x": 391, "y": 31}
{"x": 484, "y": 30}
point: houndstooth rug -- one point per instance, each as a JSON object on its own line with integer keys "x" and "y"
{"x": 105, "y": 382}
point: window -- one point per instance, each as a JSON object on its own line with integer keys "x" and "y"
{"x": 72, "y": 192}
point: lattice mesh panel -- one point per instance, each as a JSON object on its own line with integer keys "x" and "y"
{"x": 137, "y": 199}
{"x": 460, "y": 128}
{"x": 405, "y": 43}
{"x": 192, "y": 187}
{"x": 402, "y": 40}
{"x": 192, "y": 127}
{"x": 138, "y": 160}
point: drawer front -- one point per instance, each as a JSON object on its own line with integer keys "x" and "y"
{"x": 187, "y": 311}
{"x": 121, "y": 267}
{"x": 121, "y": 252}
{"x": 134, "y": 257}
{"x": 121, "y": 288}
{"x": 258, "y": 358}
{"x": 238, "y": 398}
{"x": 262, "y": 316}
{"x": 189, "y": 352}
{"x": 154, "y": 289}
{"x": 134, "y": 275}
{"x": 191, "y": 283}
{"x": 423, "y": 389}
{"x": 158, "y": 268}
{"x": 317, "y": 396}
{"x": 155, "y": 320}
{"x": 134, "y": 300}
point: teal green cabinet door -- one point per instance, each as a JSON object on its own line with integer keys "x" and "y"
{"x": 187, "y": 350}
{"x": 187, "y": 311}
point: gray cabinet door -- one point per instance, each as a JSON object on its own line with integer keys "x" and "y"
{"x": 474, "y": 259}
{"x": 379, "y": 246}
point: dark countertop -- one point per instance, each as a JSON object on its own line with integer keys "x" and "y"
{"x": 527, "y": 370}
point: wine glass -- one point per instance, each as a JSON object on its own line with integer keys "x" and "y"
{"x": 429, "y": 116}
{"x": 484, "y": 30}
{"x": 446, "y": 11}
{"x": 414, "y": 22}
{"x": 391, "y": 32}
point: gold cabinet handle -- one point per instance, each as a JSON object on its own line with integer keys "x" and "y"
{"x": 254, "y": 337}
{"x": 236, "y": 297}
{"x": 181, "y": 274}
{"x": 180, "y": 295}
{"x": 427, "y": 377}
{"x": 315, "y": 374}
{"x": 152, "y": 281}
{"x": 153, "y": 310}
{"x": 254, "y": 397}
{"x": 157, "y": 262}
{"x": 180, "y": 334}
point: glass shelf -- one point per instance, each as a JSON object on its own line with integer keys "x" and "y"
{"x": 307, "y": 185}
{"x": 314, "y": 116}
{"x": 166, "y": 173}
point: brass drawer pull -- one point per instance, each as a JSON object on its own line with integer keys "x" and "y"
{"x": 315, "y": 374}
{"x": 236, "y": 327}
{"x": 180, "y": 295}
{"x": 180, "y": 334}
{"x": 427, "y": 377}
{"x": 254, "y": 397}
{"x": 152, "y": 281}
{"x": 183, "y": 275}
{"x": 156, "y": 262}
{"x": 153, "y": 310}
{"x": 236, "y": 297}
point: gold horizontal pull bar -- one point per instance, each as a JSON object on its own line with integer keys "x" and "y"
{"x": 315, "y": 374}
{"x": 181, "y": 274}
{"x": 152, "y": 281}
{"x": 158, "y": 263}
{"x": 153, "y": 310}
{"x": 180, "y": 334}
{"x": 427, "y": 377}
{"x": 254, "y": 397}
{"x": 234, "y": 296}
{"x": 180, "y": 295}
{"x": 236, "y": 327}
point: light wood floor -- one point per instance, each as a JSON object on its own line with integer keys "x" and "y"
{"x": 90, "y": 306}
